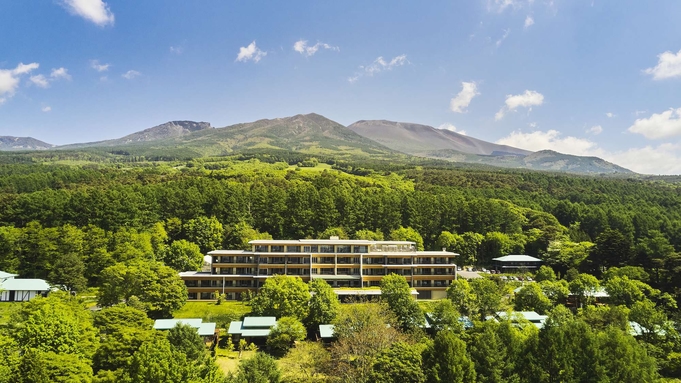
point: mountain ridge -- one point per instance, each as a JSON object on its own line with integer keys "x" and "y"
{"x": 315, "y": 135}
{"x": 23, "y": 143}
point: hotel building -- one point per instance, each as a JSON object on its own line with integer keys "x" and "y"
{"x": 341, "y": 262}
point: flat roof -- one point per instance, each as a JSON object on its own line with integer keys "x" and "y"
{"x": 326, "y": 331}
{"x": 229, "y": 252}
{"x": 207, "y": 329}
{"x": 326, "y": 242}
{"x": 517, "y": 258}
{"x": 167, "y": 324}
{"x": 4, "y": 275}
{"x": 436, "y": 253}
{"x": 249, "y": 326}
{"x": 259, "y": 322}
{"x": 19, "y": 284}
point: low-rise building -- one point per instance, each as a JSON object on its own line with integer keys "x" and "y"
{"x": 516, "y": 263}
{"x": 14, "y": 289}
{"x": 253, "y": 329}
{"x": 207, "y": 331}
{"x": 342, "y": 263}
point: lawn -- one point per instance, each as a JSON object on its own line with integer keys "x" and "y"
{"x": 228, "y": 361}
{"x": 209, "y": 310}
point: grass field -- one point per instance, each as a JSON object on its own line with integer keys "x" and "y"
{"x": 208, "y": 310}
{"x": 228, "y": 361}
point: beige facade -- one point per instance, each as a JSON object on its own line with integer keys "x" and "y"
{"x": 342, "y": 263}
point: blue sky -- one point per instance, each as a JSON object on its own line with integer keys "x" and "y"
{"x": 586, "y": 77}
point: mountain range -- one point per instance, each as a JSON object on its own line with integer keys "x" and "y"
{"x": 313, "y": 134}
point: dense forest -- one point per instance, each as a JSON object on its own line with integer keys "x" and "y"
{"x": 126, "y": 229}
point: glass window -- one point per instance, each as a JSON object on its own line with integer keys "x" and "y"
{"x": 310, "y": 249}
{"x": 343, "y": 248}
{"x": 359, "y": 249}
{"x": 293, "y": 249}
{"x": 277, "y": 249}
{"x": 326, "y": 249}
{"x": 261, "y": 248}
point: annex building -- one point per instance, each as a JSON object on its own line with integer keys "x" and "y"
{"x": 343, "y": 263}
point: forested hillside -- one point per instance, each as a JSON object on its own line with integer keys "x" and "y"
{"x": 126, "y": 229}
{"x": 481, "y": 214}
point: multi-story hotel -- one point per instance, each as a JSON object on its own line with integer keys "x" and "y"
{"x": 341, "y": 262}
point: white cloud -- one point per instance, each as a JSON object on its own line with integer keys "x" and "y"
{"x": 131, "y": 74}
{"x": 176, "y": 50}
{"x": 505, "y": 35}
{"x": 501, "y": 5}
{"x": 668, "y": 66}
{"x": 251, "y": 52}
{"x": 379, "y": 65}
{"x": 528, "y": 99}
{"x": 60, "y": 73}
{"x": 94, "y": 64}
{"x": 10, "y": 79}
{"x": 595, "y": 130}
{"x": 551, "y": 140}
{"x": 46, "y": 109}
{"x": 95, "y": 11}
{"x": 662, "y": 125}
{"x": 450, "y": 127}
{"x": 529, "y": 21}
{"x": 640, "y": 112}
{"x": 532, "y": 125}
{"x": 662, "y": 159}
{"x": 459, "y": 103}
{"x": 25, "y": 68}
{"x": 610, "y": 115}
{"x": 40, "y": 81}
{"x": 306, "y": 50}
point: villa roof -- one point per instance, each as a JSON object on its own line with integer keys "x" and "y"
{"x": 517, "y": 258}
{"x": 259, "y": 321}
{"x": 253, "y": 326}
{"x": 326, "y": 331}
{"x": 4, "y": 275}
{"x": 17, "y": 284}
{"x": 204, "y": 329}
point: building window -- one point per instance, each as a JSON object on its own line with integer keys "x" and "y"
{"x": 310, "y": 249}
{"x": 191, "y": 296}
{"x": 359, "y": 249}
{"x": 293, "y": 249}
{"x": 277, "y": 249}
{"x": 191, "y": 283}
{"x": 206, "y": 295}
{"x": 261, "y": 249}
{"x": 343, "y": 249}
{"x": 326, "y": 249}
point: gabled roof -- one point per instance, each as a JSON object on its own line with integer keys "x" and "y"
{"x": 14, "y": 284}
{"x": 516, "y": 258}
